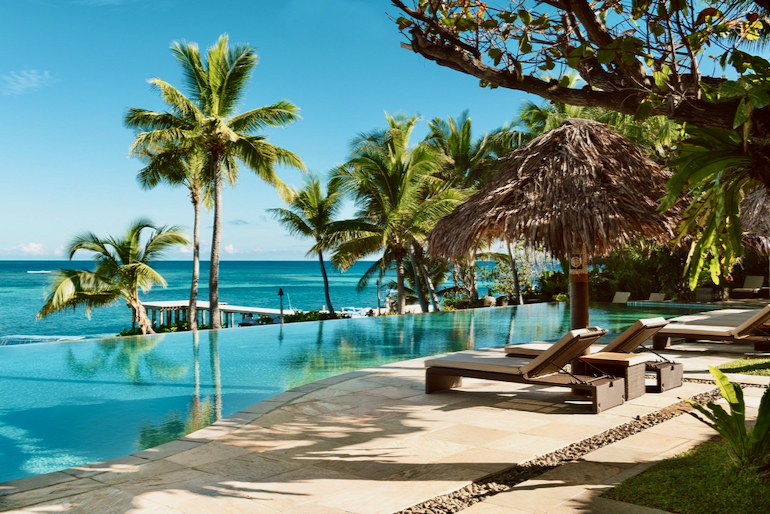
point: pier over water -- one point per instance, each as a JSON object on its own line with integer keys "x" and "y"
{"x": 175, "y": 311}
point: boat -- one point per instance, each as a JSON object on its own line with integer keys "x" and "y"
{"x": 355, "y": 312}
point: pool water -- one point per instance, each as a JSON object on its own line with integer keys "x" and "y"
{"x": 70, "y": 403}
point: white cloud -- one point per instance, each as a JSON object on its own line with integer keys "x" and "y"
{"x": 18, "y": 83}
{"x": 186, "y": 249}
{"x": 230, "y": 249}
{"x": 32, "y": 248}
{"x": 59, "y": 251}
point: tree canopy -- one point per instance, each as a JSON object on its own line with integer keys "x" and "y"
{"x": 640, "y": 57}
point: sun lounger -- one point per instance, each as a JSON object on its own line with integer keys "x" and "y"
{"x": 547, "y": 369}
{"x": 621, "y": 297}
{"x": 752, "y": 287}
{"x": 657, "y": 297}
{"x": 668, "y": 374}
{"x": 750, "y": 331}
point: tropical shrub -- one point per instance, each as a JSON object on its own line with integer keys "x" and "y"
{"x": 748, "y": 448}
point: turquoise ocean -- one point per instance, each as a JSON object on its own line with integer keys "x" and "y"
{"x": 246, "y": 283}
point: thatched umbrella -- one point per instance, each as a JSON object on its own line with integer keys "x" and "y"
{"x": 578, "y": 190}
{"x": 755, "y": 221}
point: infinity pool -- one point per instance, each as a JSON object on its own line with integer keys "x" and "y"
{"x": 66, "y": 404}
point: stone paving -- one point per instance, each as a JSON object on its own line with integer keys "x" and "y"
{"x": 372, "y": 442}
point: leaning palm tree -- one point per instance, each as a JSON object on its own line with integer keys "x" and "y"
{"x": 389, "y": 181}
{"x": 310, "y": 214}
{"x": 206, "y": 120}
{"x": 123, "y": 267}
{"x": 175, "y": 169}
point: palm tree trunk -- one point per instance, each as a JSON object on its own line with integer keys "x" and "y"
{"x": 216, "y": 376}
{"x": 215, "y": 321}
{"x": 418, "y": 284}
{"x": 400, "y": 282}
{"x": 192, "y": 316}
{"x": 474, "y": 279}
{"x": 431, "y": 290}
{"x": 326, "y": 282}
{"x": 140, "y": 316}
{"x": 515, "y": 271}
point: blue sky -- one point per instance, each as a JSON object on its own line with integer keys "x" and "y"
{"x": 70, "y": 68}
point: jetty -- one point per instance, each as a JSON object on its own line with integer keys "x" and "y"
{"x": 176, "y": 311}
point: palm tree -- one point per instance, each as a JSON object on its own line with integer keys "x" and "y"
{"x": 469, "y": 162}
{"x": 310, "y": 214}
{"x": 399, "y": 198}
{"x": 206, "y": 120}
{"x": 123, "y": 267}
{"x": 176, "y": 169}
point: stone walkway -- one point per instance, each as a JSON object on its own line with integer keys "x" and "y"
{"x": 372, "y": 442}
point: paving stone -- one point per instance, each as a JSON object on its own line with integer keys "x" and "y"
{"x": 137, "y": 472}
{"x": 107, "y": 500}
{"x": 36, "y": 482}
{"x": 49, "y": 493}
{"x": 249, "y": 467}
{"x": 206, "y": 453}
{"x": 168, "y": 449}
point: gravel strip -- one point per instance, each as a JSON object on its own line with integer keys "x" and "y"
{"x": 505, "y": 480}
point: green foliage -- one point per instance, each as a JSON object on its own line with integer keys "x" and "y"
{"x": 700, "y": 481}
{"x": 309, "y": 316}
{"x": 748, "y": 366}
{"x": 311, "y": 213}
{"x": 642, "y": 269}
{"x": 748, "y": 448}
{"x": 180, "y": 326}
{"x": 561, "y": 297}
{"x": 500, "y": 277}
{"x": 716, "y": 170}
{"x": 398, "y": 195}
{"x": 122, "y": 266}
{"x": 205, "y": 123}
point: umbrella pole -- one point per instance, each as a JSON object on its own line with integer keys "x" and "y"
{"x": 578, "y": 289}
{"x": 578, "y": 302}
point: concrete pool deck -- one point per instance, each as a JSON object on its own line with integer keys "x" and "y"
{"x": 372, "y": 442}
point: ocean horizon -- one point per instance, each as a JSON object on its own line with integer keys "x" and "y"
{"x": 246, "y": 283}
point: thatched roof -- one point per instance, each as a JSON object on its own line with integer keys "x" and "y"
{"x": 580, "y": 184}
{"x": 755, "y": 221}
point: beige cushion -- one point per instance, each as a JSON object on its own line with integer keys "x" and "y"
{"x": 636, "y": 334}
{"x": 621, "y": 297}
{"x": 533, "y": 349}
{"x": 753, "y": 282}
{"x": 621, "y": 359}
{"x": 480, "y": 360}
{"x": 657, "y": 297}
{"x": 686, "y": 330}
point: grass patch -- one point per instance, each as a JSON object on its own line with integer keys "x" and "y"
{"x": 700, "y": 481}
{"x": 747, "y": 366}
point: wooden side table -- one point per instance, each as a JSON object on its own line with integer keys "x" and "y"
{"x": 631, "y": 366}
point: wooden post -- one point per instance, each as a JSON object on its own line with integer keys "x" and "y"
{"x": 578, "y": 289}
{"x": 578, "y": 301}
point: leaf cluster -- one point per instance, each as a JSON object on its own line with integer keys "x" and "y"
{"x": 749, "y": 448}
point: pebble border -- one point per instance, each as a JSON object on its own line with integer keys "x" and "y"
{"x": 503, "y": 481}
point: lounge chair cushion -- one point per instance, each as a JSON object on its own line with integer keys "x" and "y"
{"x": 490, "y": 360}
{"x": 657, "y": 297}
{"x": 635, "y": 335}
{"x": 621, "y": 297}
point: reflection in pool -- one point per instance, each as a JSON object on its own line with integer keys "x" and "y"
{"x": 66, "y": 404}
